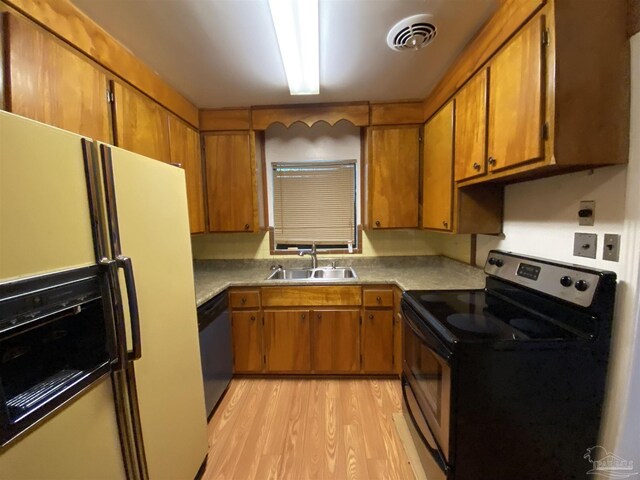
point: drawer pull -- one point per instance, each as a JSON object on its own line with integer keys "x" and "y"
{"x": 379, "y": 299}
{"x": 243, "y": 300}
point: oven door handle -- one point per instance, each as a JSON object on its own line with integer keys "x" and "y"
{"x": 430, "y": 444}
{"x": 430, "y": 342}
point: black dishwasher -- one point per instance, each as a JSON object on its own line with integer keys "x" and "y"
{"x": 214, "y": 326}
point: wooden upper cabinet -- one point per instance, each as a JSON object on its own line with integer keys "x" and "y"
{"x": 231, "y": 182}
{"x": 336, "y": 341}
{"x": 185, "y": 150}
{"x": 287, "y": 340}
{"x": 437, "y": 174}
{"x": 48, "y": 82}
{"x": 471, "y": 128}
{"x": 393, "y": 177}
{"x": 516, "y": 100}
{"x": 141, "y": 125}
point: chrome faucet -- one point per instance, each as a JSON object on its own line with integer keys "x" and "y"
{"x": 312, "y": 253}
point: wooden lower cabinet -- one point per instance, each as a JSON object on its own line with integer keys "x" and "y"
{"x": 247, "y": 341}
{"x": 377, "y": 341}
{"x": 287, "y": 337}
{"x": 336, "y": 341}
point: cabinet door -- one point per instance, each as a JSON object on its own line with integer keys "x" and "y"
{"x": 50, "y": 83}
{"x": 142, "y": 126}
{"x": 287, "y": 341}
{"x": 247, "y": 341}
{"x": 437, "y": 173}
{"x": 377, "y": 341}
{"x": 394, "y": 159}
{"x": 471, "y": 128}
{"x": 185, "y": 150}
{"x": 231, "y": 185}
{"x": 336, "y": 341}
{"x": 516, "y": 100}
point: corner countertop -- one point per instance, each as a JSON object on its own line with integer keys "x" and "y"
{"x": 409, "y": 273}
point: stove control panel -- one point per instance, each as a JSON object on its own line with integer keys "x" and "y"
{"x": 568, "y": 282}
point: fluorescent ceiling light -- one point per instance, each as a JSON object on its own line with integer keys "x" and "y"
{"x": 296, "y": 24}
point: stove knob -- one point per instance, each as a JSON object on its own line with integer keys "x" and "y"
{"x": 499, "y": 262}
{"x": 581, "y": 285}
{"x": 566, "y": 281}
{"x": 491, "y": 261}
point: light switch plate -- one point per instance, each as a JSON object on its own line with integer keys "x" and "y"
{"x": 585, "y": 206}
{"x": 584, "y": 245}
{"x": 611, "y": 249}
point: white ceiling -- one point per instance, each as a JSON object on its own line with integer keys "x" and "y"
{"x": 224, "y": 53}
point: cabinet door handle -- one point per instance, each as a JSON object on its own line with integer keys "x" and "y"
{"x": 377, "y": 223}
{"x": 253, "y": 318}
{"x": 492, "y": 161}
{"x": 303, "y": 316}
{"x": 476, "y": 166}
{"x": 445, "y": 223}
{"x": 247, "y": 226}
{"x": 370, "y": 317}
{"x": 319, "y": 317}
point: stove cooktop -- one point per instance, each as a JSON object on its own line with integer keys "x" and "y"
{"x": 475, "y": 316}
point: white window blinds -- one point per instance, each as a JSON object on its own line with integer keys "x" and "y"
{"x": 314, "y": 202}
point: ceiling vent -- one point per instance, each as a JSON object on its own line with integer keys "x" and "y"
{"x": 411, "y": 33}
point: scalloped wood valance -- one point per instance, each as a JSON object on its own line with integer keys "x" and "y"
{"x": 357, "y": 114}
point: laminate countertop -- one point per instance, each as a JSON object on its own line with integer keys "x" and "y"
{"x": 409, "y": 273}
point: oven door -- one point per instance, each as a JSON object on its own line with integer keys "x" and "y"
{"x": 427, "y": 374}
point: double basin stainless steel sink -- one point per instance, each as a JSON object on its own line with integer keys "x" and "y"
{"x": 312, "y": 274}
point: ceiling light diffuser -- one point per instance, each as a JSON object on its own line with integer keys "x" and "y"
{"x": 296, "y": 24}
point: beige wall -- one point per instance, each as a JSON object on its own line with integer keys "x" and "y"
{"x": 375, "y": 244}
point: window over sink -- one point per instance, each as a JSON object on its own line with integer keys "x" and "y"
{"x": 315, "y": 202}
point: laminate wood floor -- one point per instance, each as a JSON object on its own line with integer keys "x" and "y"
{"x": 307, "y": 429}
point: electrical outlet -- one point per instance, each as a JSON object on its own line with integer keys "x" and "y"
{"x": 611, "y": 249}
{"x": 587, "y": 213}
{"x": 585, "y": 244}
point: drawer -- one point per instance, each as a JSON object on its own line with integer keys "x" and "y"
{"x": 378, "y": 297}
{"x": 308, "y": 296}
{"x": 244, "y": 299}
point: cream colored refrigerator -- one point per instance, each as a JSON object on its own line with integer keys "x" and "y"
{"x": 70, "y": 205}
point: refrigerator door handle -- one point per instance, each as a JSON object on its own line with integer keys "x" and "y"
{"x": 126, "y": 265}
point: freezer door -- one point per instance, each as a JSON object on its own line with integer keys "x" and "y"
{"x": 79, "y": 442}
{"x": 153, "y": 227}
{"x": 44, "y": 207}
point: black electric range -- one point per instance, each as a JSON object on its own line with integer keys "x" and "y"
{"x": 515, "y": 368}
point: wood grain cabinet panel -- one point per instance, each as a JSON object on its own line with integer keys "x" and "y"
{"x": 244, "y": 299}
{"x": 336, "y": 341}
{"x": 516, "y": 113}
{"x": 437, "y": 172}
{"x": 231, "y": 182}
{"x": 393, "y": 171}
{"x": 141, "y": 125}
{"x": 247, "y": 341}
{"x": 377, "y": 341}
{"x": 185, "y": 150}
{"x": 471, "y": 128}
{"x": 287, "y": 341}
{"x": 311, "y": 296}
{"x": 377, "y": 297}
{"x": 48, "y": 82}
